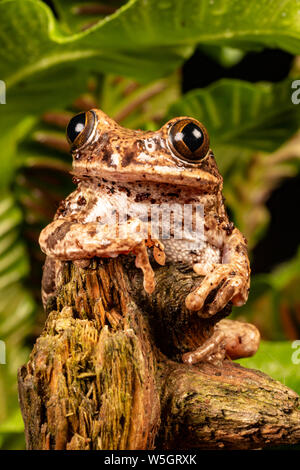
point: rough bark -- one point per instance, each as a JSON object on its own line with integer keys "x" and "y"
{"x": 106, "y": 372}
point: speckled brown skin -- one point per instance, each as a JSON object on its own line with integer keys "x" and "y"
{"x": 116, "y": 165}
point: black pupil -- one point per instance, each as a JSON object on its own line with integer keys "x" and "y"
{"x": 76, "y": 126}
{"x": 192, "y": 136}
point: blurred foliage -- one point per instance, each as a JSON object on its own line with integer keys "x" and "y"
{"x": 126, "y": 58}
{"x": 276, "y": 359}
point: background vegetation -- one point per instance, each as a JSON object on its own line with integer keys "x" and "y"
{"x": 228, "y": 63}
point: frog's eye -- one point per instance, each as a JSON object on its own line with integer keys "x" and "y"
{"x": 80, "y": 129}
{"x": 189, "y": 139}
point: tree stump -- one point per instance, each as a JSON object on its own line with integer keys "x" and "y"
{"x": 106, "y": 373}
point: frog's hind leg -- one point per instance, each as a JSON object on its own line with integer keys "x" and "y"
{"x": 212, "y": 350}
{"x": 231, "y": 338}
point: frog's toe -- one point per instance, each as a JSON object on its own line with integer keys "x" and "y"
{"x": 229, "y": 290}
{"x": 194, "y": 301}
{"x": 218, "y": 288}
{"x": 205, "y": 293}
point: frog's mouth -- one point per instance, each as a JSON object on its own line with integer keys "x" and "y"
{"x": 169, "y": 172}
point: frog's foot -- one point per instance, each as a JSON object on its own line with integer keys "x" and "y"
{"x": 241, "y": 339}
{"x": 231, "y": 338}
{"x": 223, "y": 283}
{"x": 212, "y": 350}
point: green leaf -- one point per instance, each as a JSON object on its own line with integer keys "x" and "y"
{"x": 13, "y": 130}
{"x": 225, "y": 56}
{"x": 242, "y": 116}
{"x": 13, "y": 258}
{"x": 50, "y": 88}
{"x": 106, "y": 47}
{"x": 227, "y": 22}
{"x": 276, "y": 359}
{"x": 76, "y": 15}
{"x": 144, "y": 39}
{"x": 16, "y": 304}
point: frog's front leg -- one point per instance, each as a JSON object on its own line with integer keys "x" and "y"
{"x": 226, "y": 282}
{"x": 67, "y": 240}
{"x": 231, "y": 338}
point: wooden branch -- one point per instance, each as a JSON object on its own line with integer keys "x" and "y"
{"x": 106, "y": 372}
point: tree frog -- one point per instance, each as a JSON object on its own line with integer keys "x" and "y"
{"x": 122, "y": 175}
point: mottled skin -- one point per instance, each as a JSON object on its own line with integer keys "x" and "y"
{"x": 114, "y": 165}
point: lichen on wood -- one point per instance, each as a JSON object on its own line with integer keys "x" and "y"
{"x": 106, "y": 373}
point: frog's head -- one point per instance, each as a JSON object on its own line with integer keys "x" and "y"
{"x": 178, "y": 153}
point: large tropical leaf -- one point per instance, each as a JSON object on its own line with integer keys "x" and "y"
{"x": 144, "y": 23}
{"x": 143, "y": 39}
{"x": 241, "y": 115}
{"x": 109, "y": 46}
{"x": 77, "y": 16}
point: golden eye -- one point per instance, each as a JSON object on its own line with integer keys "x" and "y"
{"x": 80, "y": 129}
{"x": 190, "y": 140}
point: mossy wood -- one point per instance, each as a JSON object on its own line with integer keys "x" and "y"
{"x": 106, "y": 372}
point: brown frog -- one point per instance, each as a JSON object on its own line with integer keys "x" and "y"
{"x": 125, "y": 178}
